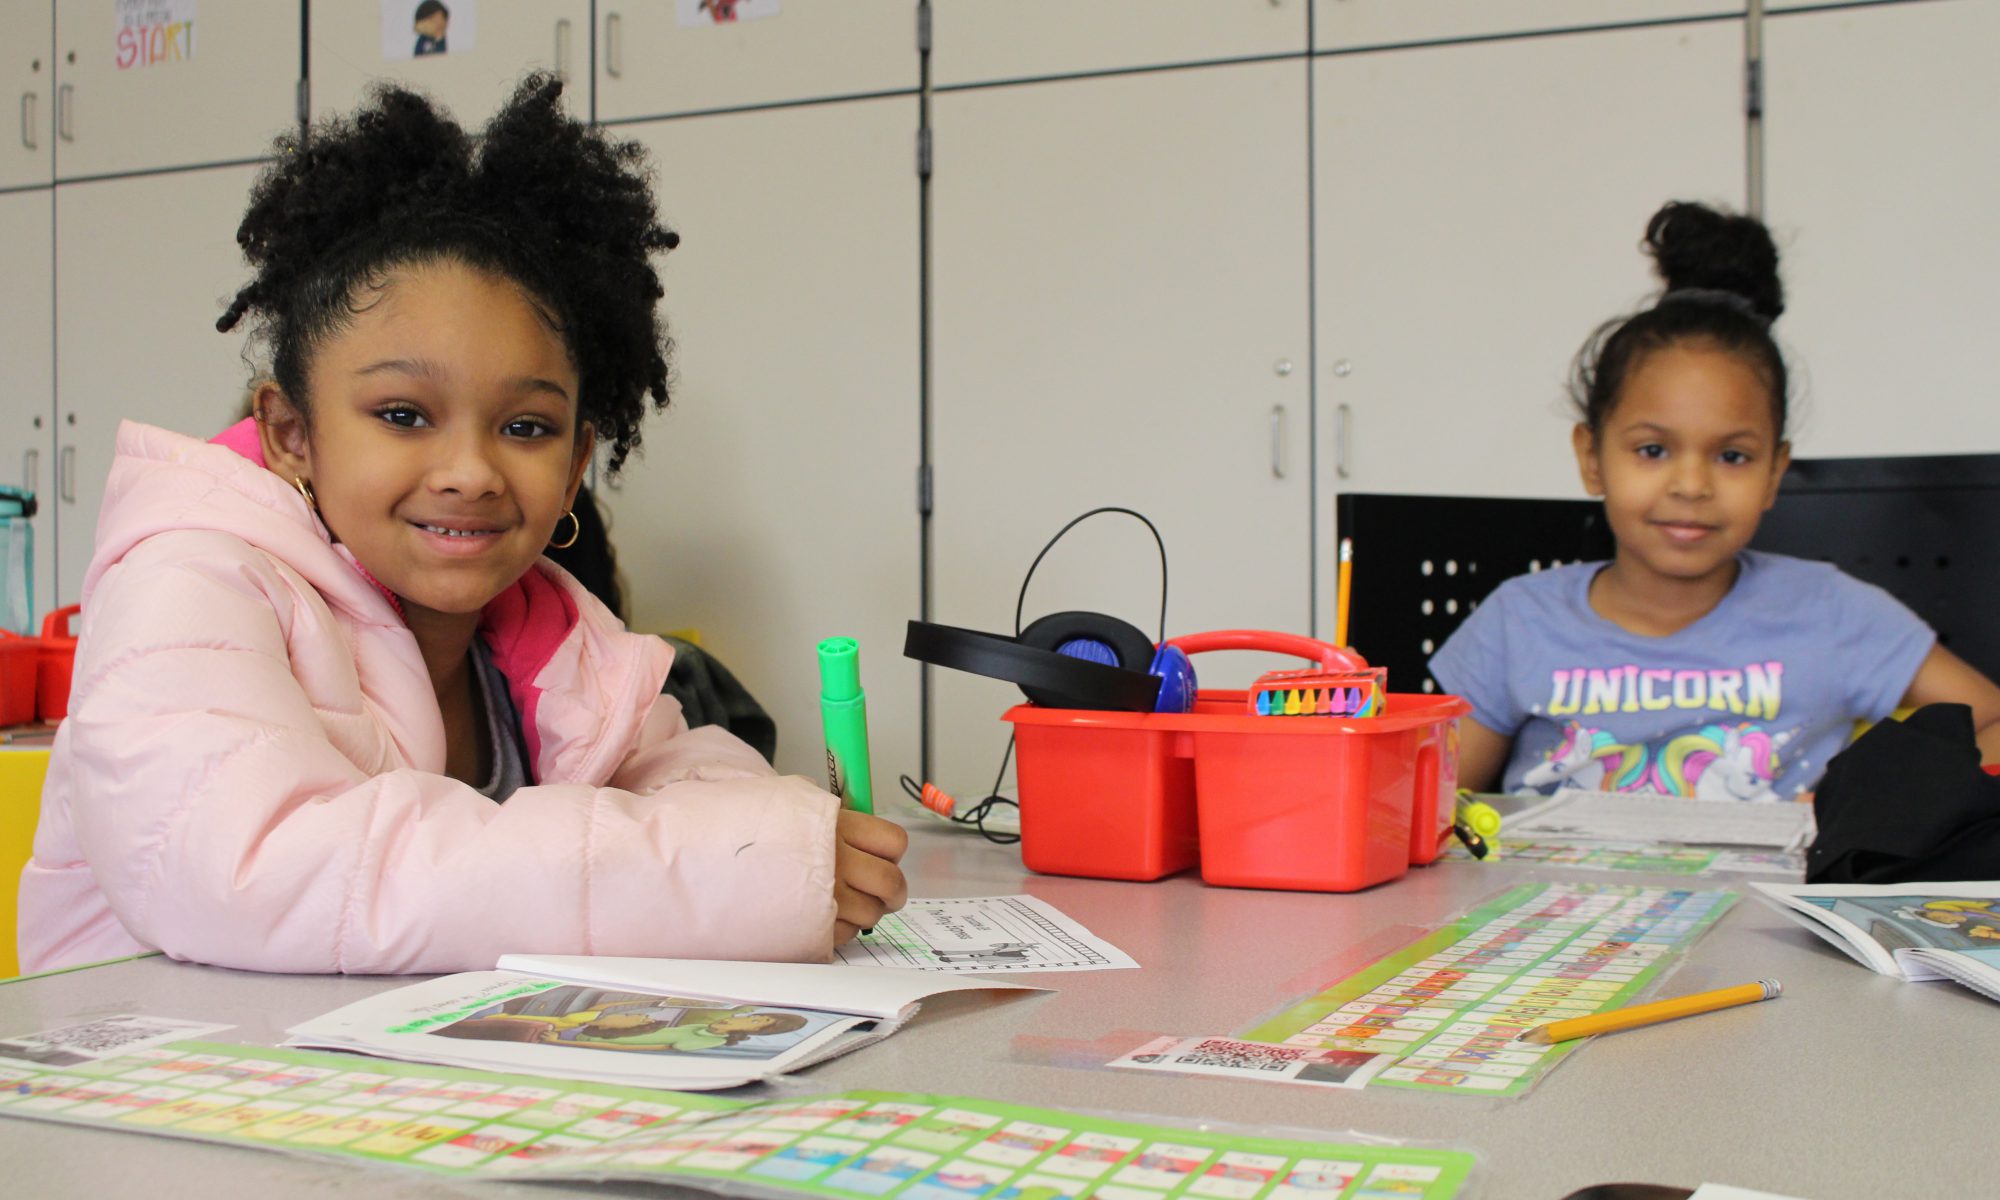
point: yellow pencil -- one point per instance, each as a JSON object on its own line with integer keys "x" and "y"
{"x": 1650, "y": 1014}
{"x": 1346, "y": 591}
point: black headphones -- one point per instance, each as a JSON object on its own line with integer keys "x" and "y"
{"x": 1070, "y": 659}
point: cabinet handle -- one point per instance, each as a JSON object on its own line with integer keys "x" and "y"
{"x": 1340, "y": 414}
{"x": 66, "y": 474}
{"x": 562, "y": 49}
{"x": 614, "y": 58}
{"x": 65, "y": 101}
{"x": 1277, "y": 441}
{"x": 28, "y": 120}
{"x": 31, "y": 470}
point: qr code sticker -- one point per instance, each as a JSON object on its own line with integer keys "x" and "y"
{"x": 1256, "y": 1060}
{"x": 101, "y": 1038}
{"x": 1240, "y": 1056}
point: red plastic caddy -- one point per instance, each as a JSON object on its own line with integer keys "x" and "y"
{"x": 1308, "y": 803}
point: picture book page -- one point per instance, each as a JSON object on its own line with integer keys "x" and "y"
{"x": 505, "y": 1021}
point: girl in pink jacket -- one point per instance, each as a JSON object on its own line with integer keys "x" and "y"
{"x": 332, "y": 710}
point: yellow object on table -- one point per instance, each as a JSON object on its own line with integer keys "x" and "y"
{"x": 21, "y": 772}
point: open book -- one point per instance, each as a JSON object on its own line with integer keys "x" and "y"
{"x": 1909, "y": 930}
{"x": 652, "y": 1022}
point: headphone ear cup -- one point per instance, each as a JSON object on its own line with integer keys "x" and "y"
{"x": 1130, "y": 649}
{"x": 1177, "y": 686}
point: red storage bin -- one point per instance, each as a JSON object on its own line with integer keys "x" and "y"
{"x": 1330, "y": 804}
{"x": 58, "y": 660}
{"x": 20, "y": 660}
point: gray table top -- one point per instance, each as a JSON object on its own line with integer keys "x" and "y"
{"x": 1853, "y": 1085}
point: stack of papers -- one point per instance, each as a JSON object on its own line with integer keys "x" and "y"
{"x": 666, "y": 1023}
{"x": 1641, "y": 817}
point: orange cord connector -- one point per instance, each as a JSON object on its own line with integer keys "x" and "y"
{"x": 937, "y": 800}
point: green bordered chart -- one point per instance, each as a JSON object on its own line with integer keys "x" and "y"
{"x": 463, "y": 1123}
{"x": 1449, "y": 1005}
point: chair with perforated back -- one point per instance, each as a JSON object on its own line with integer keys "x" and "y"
{"x": 1925, "y": 529}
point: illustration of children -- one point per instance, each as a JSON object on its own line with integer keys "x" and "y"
{"x": 429, "y": 23}
{"x": 620, "y": 1021}
{"x": 1968, "y": 918}
{"x": 636, "y": 1031}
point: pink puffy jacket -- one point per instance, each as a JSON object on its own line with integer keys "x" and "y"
{"x": 252, "y": 769}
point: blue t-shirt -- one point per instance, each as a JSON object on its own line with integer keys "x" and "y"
{"x": 1747, "y": 703}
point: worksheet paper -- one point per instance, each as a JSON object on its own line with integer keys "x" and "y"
{"x": 1639, "y": 817}
{"x": 985, "y": 934}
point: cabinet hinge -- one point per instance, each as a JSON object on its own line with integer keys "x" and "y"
{"x": 924, "y": 490}
{"x": 923, "y": 28}
{"x": 924, "y": 153}
{"x": 1753, "y": 89}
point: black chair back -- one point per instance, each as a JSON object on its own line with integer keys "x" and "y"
{"x": 1914, "y": 526}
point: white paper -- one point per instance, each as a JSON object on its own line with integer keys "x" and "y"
{"x": 693, "y": 13}
{"x": 153, "y": 33}
{"x": 983, "y": 934}
{"x": 401, "y": 37}
{"x": 1640, "y": 817}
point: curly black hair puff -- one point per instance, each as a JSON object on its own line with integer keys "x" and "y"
{"x": 540, "y": 199}
{"x": 1720, "y": 273}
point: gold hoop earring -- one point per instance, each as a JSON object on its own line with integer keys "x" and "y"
{"x": 575, "y": 531}
{"x": 306, "y": 489}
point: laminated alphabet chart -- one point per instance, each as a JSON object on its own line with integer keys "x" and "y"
{"x": 1450, "y": 1004}
{"x": 1660, "y": 858}
{"x": 477, "y": 1124}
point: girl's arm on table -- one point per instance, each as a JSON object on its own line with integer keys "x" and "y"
{"x": 1482, "y": 755}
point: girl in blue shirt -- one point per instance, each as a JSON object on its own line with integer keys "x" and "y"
{"x": 1689, "y": 664}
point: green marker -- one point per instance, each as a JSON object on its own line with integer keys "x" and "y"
{"x": 843, "y": 713}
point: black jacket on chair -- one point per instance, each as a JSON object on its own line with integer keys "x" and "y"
{"x": 1908, "y": 802}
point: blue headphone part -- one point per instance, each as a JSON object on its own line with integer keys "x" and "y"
{"x": 1177, "y": 685}
{"x": 1089, "y": 649}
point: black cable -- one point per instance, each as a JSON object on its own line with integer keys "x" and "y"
{"x": 1020, "y": 602}
{"x": 977, "y": 814}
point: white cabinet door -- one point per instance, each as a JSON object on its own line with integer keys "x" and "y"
{"x": 977, "y": 41}
{"x": 27, "y": 385}
{"x": 351, "y": 48}
{"x": 1344, "y": 24}
{"x": 214, "y": 89}
{"x": 1472, "y": 232}
{"x": 147, "y": 264}
{"x": 27, "y": 92}
{"x": 650, "y": 64}
{"x": 1120, "y": 317}
{"x": 1881, "y": 182}
{"x": 775, "y": 504}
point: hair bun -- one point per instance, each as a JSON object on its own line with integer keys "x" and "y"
{"x": 1697, "y": 248}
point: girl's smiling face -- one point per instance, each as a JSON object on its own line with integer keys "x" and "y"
{"x": 1688, "y": 461}
{"x": 443, "y": 443}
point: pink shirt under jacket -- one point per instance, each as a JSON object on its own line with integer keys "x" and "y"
{"x": 251, "y": 773}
